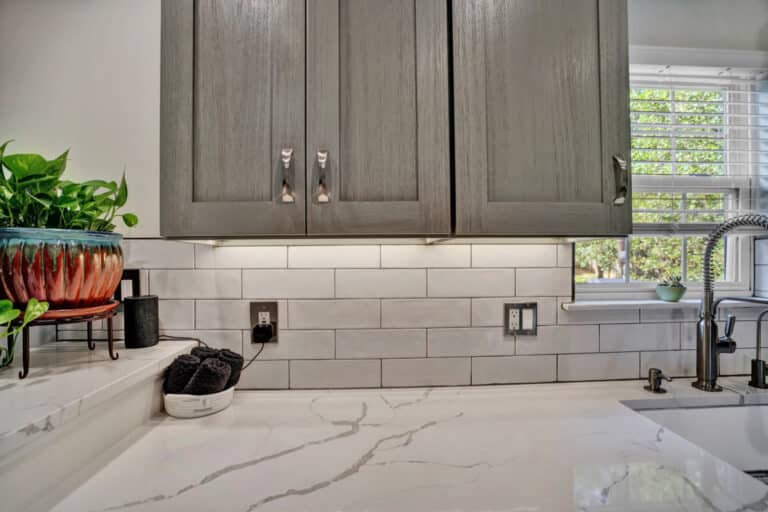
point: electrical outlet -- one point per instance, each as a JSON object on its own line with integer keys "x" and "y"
{"x": 520, "y": 319}
{"x": 264, "y": 322}
{"x": 514, "y": 319}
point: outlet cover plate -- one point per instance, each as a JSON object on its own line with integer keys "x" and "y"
{"x": 526, "y": 315}
{"x": 263, "y": 313}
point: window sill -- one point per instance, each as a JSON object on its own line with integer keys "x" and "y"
{"x": 618, "y": 305}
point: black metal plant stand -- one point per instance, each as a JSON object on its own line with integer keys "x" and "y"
{"x": 73, "y": 316}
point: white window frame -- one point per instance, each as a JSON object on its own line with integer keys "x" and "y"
{"x": 740, "y": 248}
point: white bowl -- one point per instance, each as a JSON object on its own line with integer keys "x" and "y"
{"x": 195, "y": 406}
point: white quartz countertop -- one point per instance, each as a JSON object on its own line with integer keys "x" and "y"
{"x": 67, "y": 379}
{"x": 546, "y": 447}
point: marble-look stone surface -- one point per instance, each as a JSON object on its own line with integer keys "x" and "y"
{"x": 550, "y": 447}
{"x": 67, "y": 379}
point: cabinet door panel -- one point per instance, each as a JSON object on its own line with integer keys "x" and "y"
{"x": 541, "y": 107}
{"x": 233, "y": 86}
{"x": 377, "y": 88}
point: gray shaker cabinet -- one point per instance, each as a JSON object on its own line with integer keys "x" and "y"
{"x": 332, "y": 117}
{"x": 377, "y": 113}
{"x": 378, "y": 154}
{"x": 232, "y": 118}
{"x": 541, "y": 110}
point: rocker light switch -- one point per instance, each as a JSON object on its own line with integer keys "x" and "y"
{"x": 520, "y": 319}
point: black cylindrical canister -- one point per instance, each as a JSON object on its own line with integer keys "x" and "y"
{"x": 141, "y": 321}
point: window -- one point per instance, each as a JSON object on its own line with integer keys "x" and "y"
{"x": 696, "y": 145}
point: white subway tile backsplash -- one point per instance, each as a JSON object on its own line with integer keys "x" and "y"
{"x": 156, "y": 254}
{"x": 413, "y": 315}
{"x": 196, "y": 284}
{"x": 532, "y": 282}
{"x": 514, "y": 369}
{"x": 633, "y": 337}
{"x": 490, "y": 312}
{"x": 222, "y": 314}
{"x": 738, "y": 363}
{"x": 564, "y": 255}
{"x": 688, "y": 336}
{"x": 176, "y": 314}
{"x": 761, "y": 278}
{"x": 674, "y": 363}
{"x": 575, "y": 367}
{"x": 425, "y": 256}
{"x": 207, "y": 256}
{"x": 380, "y": 343}
{"x": 292, "y": 345}
{"x": 475, "y": 341}
{"x": 329, "y": 256}
{"x": 288, "y": 284}
{"x": 514, "y": 255}
{"x": 265, "y": 375}
{"x": 337, "y": 373}
{"x": 669, "y": 315}
{"x": 761, "y": 251}
{"x": 425, "y": 313}
{"x": 560, "y": 339}
{"x": 471, "y": 282}
{"x": 232, "y": 340}
{"x": 381, "y": 283}
{"x": 334, "y": 314}
{"x": 439, "y": 371}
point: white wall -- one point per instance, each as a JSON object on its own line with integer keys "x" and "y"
{"x": 721, "y": 24}
{"x": 85, "y": 75}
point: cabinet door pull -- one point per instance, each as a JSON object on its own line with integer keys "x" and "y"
{"x": 323, "y": 194}
{"x": 286, "y": 192}
{"x": 621, "y": 176}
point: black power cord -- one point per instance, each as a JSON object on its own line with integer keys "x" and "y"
{"x": 167, "y": 337}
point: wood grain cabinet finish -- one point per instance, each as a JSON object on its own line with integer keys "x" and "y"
{"x": 541, "y": 108}
{"x": 233, "y": 92}
{"x": 378, "y": 114}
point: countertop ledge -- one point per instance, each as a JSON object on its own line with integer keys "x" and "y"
{"x": 66, "y": 380}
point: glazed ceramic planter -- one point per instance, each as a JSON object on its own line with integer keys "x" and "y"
{"x": 670, "y": 293}
{"x": 67, "y": 268}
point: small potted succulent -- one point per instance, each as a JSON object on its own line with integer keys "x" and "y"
{"x": 56, "y": 236}
{"x": 671, "y": 289}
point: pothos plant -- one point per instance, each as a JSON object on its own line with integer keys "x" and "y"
{"x": 12, "y": 322}
{"x": 33, "y": 195}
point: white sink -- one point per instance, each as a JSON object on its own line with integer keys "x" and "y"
{"x": 737, "y": 435}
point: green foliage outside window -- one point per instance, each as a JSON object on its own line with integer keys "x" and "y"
{"x": 674, "y": 132}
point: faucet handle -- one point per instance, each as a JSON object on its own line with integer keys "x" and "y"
{"x": 730, "y": 323}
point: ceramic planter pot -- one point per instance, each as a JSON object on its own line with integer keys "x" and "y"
{"x": 66, "y": 267}
{"x": 670, "y": 293}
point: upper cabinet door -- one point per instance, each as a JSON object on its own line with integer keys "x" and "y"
{"x": 378, "y": 155}
{"x": 232, "y": 118}
{"x": 541, "y": 110}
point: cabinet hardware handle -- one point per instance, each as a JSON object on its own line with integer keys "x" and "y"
{"x": 323, "y": 194}
{"x": 286, "y": 192}
{"x": 621, "y": 176}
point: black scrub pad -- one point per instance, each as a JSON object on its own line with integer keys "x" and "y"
{"x": 205, "y": 352}
{"x": 211, "y": 377}
{"x": 178, "y": 374}
{"x": 235, "y": 362}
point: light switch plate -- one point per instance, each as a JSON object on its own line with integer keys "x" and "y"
{"x": 520, "y": 319}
